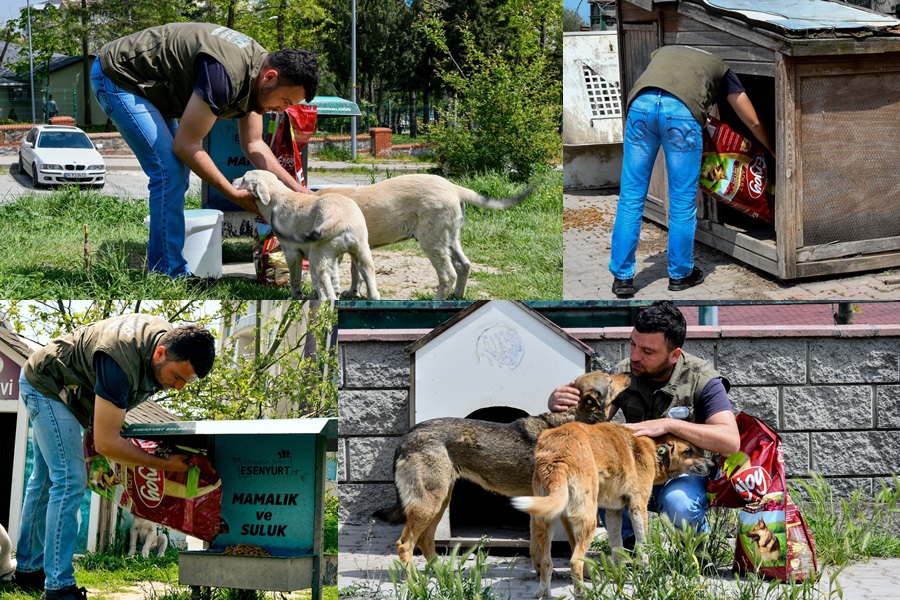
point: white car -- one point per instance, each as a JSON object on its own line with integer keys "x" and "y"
{"x": 61, "y": 154}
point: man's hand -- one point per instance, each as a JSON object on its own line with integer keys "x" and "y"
{"x": 563, "y": 398}
{"x": 652, "y": 428}
{"x": 243, "y": 198}
{"x": 176, "y": 463}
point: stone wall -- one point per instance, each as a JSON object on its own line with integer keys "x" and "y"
{"x": 833, "y": 393}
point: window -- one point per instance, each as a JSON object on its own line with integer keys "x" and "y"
{"x": 604, "y": 96}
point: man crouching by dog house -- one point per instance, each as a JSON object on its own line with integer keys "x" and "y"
{"x": 87, "y": 378}
{"x": 671, "y": 392}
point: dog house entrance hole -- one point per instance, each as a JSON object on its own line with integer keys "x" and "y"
{"x": 475, "y": 512}
{"x": 7, "y": 450}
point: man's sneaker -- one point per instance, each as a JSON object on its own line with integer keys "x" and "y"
{"x": 67, "y": 593}
{"x": 623, "y": 288}
{"x": 32, "y": 581}
{"x": 695, "y": 278}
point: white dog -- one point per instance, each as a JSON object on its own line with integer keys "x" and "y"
{"x": 321, "y": 228}
{"x": 145, "y": 534}
{"x": 428, "y": 208}
{"x": 7, "y": 562}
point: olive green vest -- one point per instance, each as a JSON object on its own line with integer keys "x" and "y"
{"x": 64, "y": 368}
{"x": 691, "y": 75}
{"x": 642, "y": 402}
{"x": 158, "y": 64}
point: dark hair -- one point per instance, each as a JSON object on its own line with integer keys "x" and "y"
{"x": 296, "y": 67}
{"x": 663, "y": 317}
{"x": 191, "y": 343}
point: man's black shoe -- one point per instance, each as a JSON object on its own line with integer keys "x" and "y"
{"x": 623, "y": 288}
{"x": 695, "y": 278}
{"x": 67, "y": 593}
{"x": 32, "y": 581}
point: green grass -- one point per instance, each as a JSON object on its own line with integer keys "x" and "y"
{"x": 42, "y": 248}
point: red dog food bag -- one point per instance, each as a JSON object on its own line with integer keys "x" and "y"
{"x": 734, "y": 171}
{"x": 190, "y": 502}
{"x": 294, "y": 128}
{"x": 773, "y": 538}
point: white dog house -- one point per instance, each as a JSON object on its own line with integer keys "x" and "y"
{"x": 496, "y": 361}
{"x": 592, "y": 110}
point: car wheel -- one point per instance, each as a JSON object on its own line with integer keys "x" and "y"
{"x": 34, "y": 177}
{"x": 21, "y": 165}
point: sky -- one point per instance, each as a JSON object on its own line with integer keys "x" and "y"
{"x": 9, "y": 9}
{"x": 582, "y": 5}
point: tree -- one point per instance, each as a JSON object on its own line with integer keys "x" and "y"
{"x": 572, "y": 20}
{"x": 290, "y": 373}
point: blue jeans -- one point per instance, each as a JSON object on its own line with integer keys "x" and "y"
{"x": 657, "y": 118}
{"x": 682, "y": 499}
{"x": 151, "y": 137}
{"x": 49, "y": 526}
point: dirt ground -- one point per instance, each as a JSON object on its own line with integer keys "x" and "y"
{"x": 408, "y": 275}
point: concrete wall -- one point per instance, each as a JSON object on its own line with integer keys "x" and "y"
{"x": 833, "y": 393}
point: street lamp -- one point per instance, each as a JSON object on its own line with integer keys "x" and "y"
{"x": 353, "y": 77}
{"x": 31, "y": 64}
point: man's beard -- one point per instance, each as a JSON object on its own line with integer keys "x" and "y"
{"x": 647, "y": 374}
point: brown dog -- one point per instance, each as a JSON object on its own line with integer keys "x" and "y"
{"x": 766, "y": 543}
{"x": 497, "y": 456}
{"x": 579, "y": 467}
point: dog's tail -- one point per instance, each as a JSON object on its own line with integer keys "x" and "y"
{"x": 549, "y": 506}
{"x": 476, "y": 199}
{"x": 393, "y": 515}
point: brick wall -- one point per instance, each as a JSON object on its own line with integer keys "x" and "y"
{"x": 833, "y": 393}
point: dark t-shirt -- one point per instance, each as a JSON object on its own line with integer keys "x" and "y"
{"x": 213, "y": 84}
{"x": 112, "y": 384}
{"x": 730, "y": 85}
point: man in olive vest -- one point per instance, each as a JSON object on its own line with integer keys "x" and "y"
{"x": 89, "y": 378}
{"x": 197, "y": 73}
{"x": 671, "y": 392}
{"x": 667, "y": 107}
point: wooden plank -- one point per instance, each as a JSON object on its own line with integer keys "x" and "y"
{"x": 707, "y": 37}
{"x": 849, "y": 265}
{"x": 740, "y": 53}
{"x": 736, "y": 248}
{"x": 629, "y": 11}
{"x": 839, "y": 66}
{"x": 789, "y": 173}
{"x": 764, "y": 248}
{"x": 752, "y": 68}
{"x": 845, "y": 46}
{"x": 847, "y": 249}
{"x": 732, "y": 26}
{"x": 646, "y": 5}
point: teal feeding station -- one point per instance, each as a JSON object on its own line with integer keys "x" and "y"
{"x": 273, "y": 495}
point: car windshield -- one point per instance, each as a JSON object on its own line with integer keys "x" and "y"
{"x": 64, "y": 139}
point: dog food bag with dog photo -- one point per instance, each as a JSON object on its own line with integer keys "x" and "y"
{"x": 734, "y": 171}
{"x": 189, "y": 502}
{"x": 772, "y": 539}
{"x": 268, "y": 257}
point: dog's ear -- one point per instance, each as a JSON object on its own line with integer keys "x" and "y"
{"x": 258, "y": 189}
{"x": 663, "y": 454}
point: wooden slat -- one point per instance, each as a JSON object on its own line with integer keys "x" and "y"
{"x": 835, "y": 65}
{"x": 752, "y": 68}
{"x": 629, "y": 12}
{"x": 845, "y": 46}
{"x": 643, "y": 4}
{"x": 732, "y": 26}
{"x": 846, "y": 249}
{"x": 788, "y": 191}
{"x": 848, "y": 265}
{"x": 740, "y": 246}
{"x": 708, "y": 37}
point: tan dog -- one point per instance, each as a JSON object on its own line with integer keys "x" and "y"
{"x": 143, "y": 533}
{"x": 428, "y": 208}
{"x": 320, "y": 228}
{"x": 497, "y": 456}
{"x": 579, "y": 467}
{"x": 766, "y": 543}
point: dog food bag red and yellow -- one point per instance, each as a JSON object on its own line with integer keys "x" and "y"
{"x": 190, "y": 502}
{"x": 772, "y": 537}
{"x": 734, "y": 171}
{"x": 293, "y": 130}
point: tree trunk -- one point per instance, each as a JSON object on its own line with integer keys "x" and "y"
{"x": 426, "y": 106}
{"x": 413, "y": 127}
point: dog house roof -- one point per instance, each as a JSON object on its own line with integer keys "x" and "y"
{"x": 802, "y": 18}
{"x": 475, "y": 306}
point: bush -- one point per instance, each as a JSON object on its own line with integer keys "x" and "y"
{"x": 505, "y": 117}
{"x": 331, "y": 151}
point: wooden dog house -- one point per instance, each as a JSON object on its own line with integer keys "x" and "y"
{"x": 825, "y": 77}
